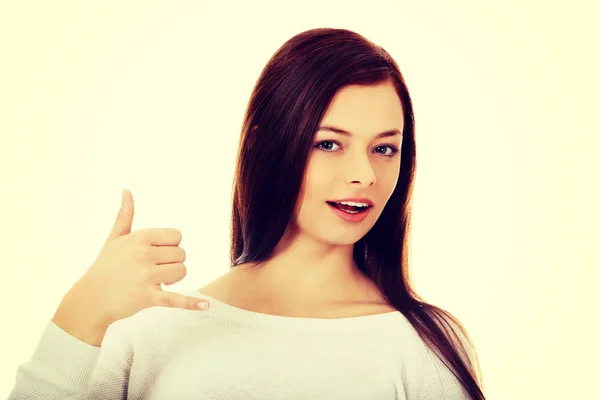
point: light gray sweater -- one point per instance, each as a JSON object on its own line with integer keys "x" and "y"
{"x": 228, "y": 353}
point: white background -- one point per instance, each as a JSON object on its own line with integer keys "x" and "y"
{"x": 149, "y": 96}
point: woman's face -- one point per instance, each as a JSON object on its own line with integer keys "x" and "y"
{"x": 357, "y": 164}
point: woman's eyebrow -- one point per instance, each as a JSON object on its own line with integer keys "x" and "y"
{"x": 340, "y": 131}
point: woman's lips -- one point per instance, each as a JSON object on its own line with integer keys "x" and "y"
{"x": 349, "y": 217}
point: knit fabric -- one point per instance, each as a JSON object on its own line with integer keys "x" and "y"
{"x": 228, "y": 353}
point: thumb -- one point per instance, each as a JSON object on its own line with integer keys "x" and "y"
{"x": 124, "y": 221}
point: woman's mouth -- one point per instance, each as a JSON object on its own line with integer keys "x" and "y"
{"x": 349, "y": 208}
{"x": 350, "y": 213}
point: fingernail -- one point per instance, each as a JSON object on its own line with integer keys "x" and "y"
{"x": 203, "y": 305}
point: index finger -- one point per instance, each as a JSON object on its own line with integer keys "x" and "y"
{"x": 160, "y": 236}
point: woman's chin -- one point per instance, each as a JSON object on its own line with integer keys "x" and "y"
{"x": 344, "y": 239}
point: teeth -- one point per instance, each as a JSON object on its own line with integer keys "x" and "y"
{"x": 351, "y": 203}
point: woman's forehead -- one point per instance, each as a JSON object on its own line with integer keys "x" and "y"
{"x": 365, "y": 110}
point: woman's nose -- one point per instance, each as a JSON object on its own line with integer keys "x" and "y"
{"x": 359, "y": 170}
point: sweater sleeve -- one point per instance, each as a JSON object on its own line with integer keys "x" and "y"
{"x": 64, "y": 367}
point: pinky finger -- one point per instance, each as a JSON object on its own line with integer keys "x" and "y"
{"x": 175, "y": 300}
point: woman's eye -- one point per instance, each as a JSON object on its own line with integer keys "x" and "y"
{"x": 392, "y": 151}
{"x": 328, "y": 145}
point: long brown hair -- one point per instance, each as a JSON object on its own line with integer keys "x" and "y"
{"x": 288, "y": 101}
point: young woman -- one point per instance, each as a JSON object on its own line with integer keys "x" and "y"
{"x": 318, "y": 302}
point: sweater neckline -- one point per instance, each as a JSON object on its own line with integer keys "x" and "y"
{"x": 220, "y": 309}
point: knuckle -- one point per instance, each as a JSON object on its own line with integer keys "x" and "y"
{"x": 147, "y": 275}
{"x": 183, "y": 255}
{"x": 142, "y": 253}
{"x": 138, "y": 236}
{"x": 167, "y": 301}
{"x": 182, "y": 270}
{"x": 176, "y": 273}
{"x": 178, "y": 235}
{"x": 149, "y": 298}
